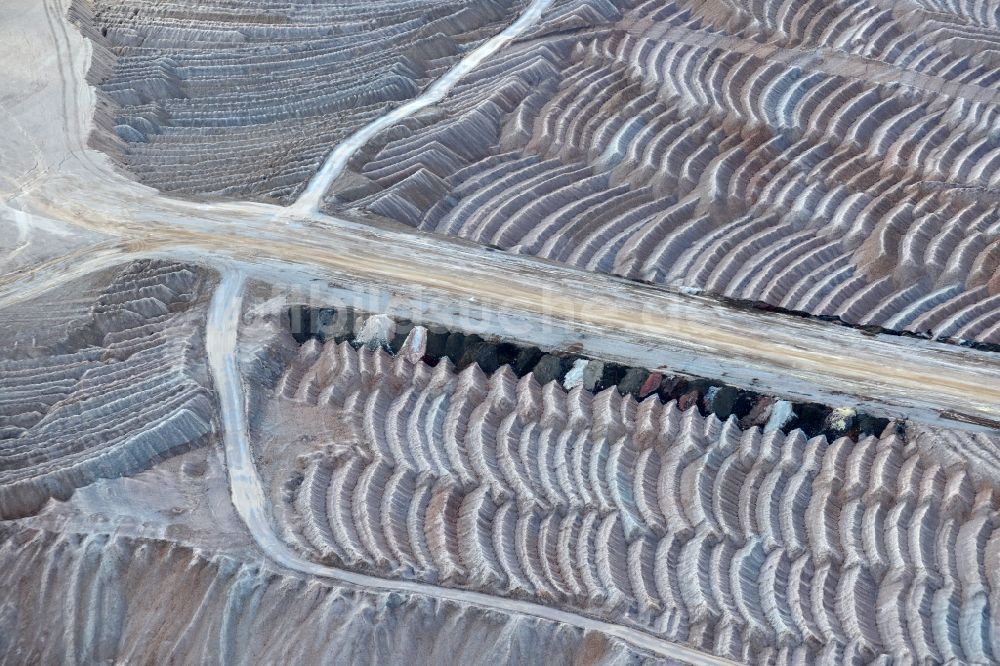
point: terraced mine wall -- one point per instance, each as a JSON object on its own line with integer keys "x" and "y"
{"x": 126, "y": 387}
{"x": 245, "y": 99}
{"x": 160, "y": 602}
{"x": 746, "y": 542}
{"x": 569, "y": 370}
{"x": 831, "y": 159}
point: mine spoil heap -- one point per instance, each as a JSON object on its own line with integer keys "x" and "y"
{"x": 197, "y": 466}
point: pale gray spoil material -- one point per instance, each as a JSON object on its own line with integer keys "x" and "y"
{"x": 834, "y": 159}
{"x": 124, "y": 389}
{"x": 159, "y": 602}
{"x": 366, "y": 500}
{"x": 246, "y": 98}
{"x": 758, "y": 546}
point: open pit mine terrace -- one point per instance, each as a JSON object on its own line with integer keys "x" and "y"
{"x": 497, "y": 331}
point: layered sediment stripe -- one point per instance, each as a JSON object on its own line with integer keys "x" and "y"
{"x": 233, "y": 607}
{"x": 761, "y": 547}
{"x": 247, "y": 100}
{"x": 352, "y": 522}
{"x": 311, "y": 197}
{"x": 654, "y": 145}
{"x": 126, "y": 393}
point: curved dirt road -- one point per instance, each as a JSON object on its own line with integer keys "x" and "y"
{"x": 251, "y": 502}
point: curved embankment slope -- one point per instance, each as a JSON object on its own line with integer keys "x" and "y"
{"x": 124, "y": 389}
{"x": 328, "y": 238}
{"x": 755, "y": 545}
{"x": 311, "y": 197}
{"x": 245, "y": 99}
{"x": 871, "y": 531}
{"x": 835, "y": 160}
{"x": 252, "y": 505}
{"x": 161, "y": 602}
